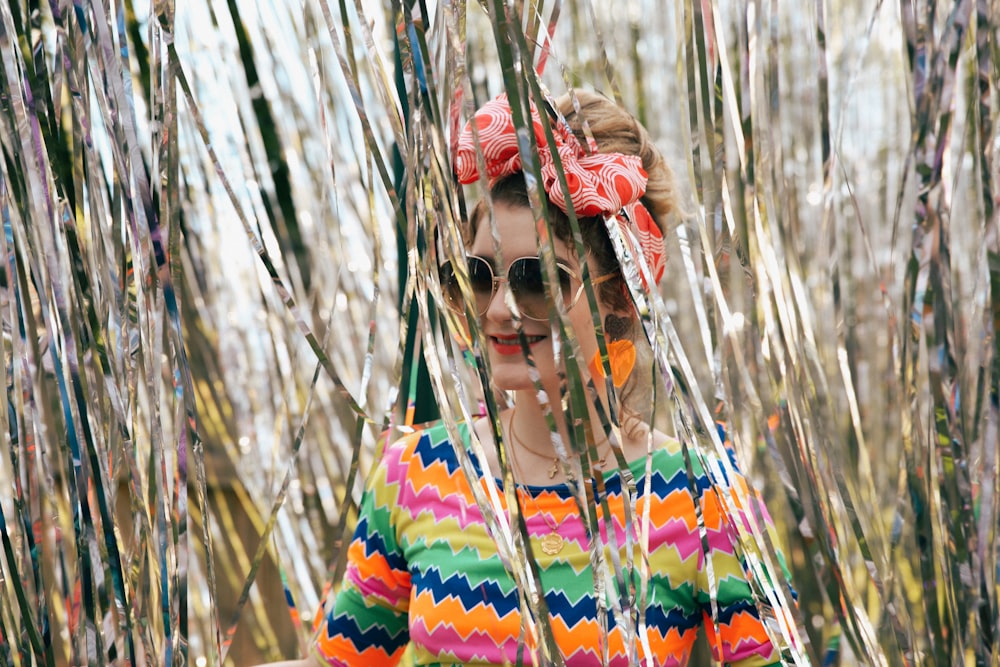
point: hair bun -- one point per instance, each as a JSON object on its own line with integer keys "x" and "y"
{"x": 617, "y": 131}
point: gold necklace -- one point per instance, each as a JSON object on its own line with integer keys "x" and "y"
{"x": 553, "y": 542}
{"x": 554, "y": 468}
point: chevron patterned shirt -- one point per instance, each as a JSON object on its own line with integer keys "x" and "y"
{"x": 423, "y": 570}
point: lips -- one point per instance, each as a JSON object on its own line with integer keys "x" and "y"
{"x": 511, "y": 344}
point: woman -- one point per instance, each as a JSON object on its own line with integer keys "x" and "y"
{"x": 423, "y": 568}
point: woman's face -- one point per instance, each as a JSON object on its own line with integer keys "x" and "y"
{"x": 516, "y": 227}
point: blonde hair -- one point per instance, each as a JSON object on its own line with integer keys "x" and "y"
{"x": 617, "y": 131}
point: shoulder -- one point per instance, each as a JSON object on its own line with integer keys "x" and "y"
{"x": 423, "y": 441}
{"x": 687, "y": 466}
{"x": 426, "y": 447}
{"x": 670, "y": 458}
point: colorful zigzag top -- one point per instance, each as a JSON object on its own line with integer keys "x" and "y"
{"x": 423, "y": 569}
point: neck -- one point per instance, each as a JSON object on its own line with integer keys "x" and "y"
{"x": 531, "y": 427}
{"x": 534, "y": 429}
{"x": 531, "y": 439}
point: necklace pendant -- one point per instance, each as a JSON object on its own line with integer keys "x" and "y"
{"x": 552, "y": 544}
{"x": 554, "y": 468}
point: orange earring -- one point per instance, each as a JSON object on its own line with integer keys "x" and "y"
{"x": 621, "y": 358}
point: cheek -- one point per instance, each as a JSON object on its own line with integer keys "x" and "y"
{"x": 584, "y": 323}
{"x": 586, "y": 339}
{"x": 588, "y": 348}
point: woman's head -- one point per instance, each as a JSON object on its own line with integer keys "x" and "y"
{"x": 624, "y": 150}
{"x": 614, "y": 130}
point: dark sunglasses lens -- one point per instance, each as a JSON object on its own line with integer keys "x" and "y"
{"x": 449, "y": 285}
{"x": 565, "y": 283}
{"x": 480, "y": 275}
{"x": 525, "y": 278}
{"x": 528, "y": 286}
{"x": 480, "y": 279}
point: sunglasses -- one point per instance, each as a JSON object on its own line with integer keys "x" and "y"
{"x": 526, "y": 282}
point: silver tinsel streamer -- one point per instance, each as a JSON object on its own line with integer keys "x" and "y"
{"x": 221, "y": 226}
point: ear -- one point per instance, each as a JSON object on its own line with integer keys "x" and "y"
{"x": 625, "y": 310}
{"x": 617, "y": 327}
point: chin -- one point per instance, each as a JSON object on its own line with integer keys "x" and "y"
{"x": 511, "y": 382}
{"x": 507, "y": 376}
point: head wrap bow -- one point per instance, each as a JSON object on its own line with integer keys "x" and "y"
{"x": 599, "y": 184}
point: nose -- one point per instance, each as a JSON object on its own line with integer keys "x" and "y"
{"x": 497, "y": 309}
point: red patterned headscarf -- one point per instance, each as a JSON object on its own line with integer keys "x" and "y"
{"x": 600, "y": 184}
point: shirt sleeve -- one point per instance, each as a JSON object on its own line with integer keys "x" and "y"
{"x": 742, "y": 638}
{"x": 367, "y": 623}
